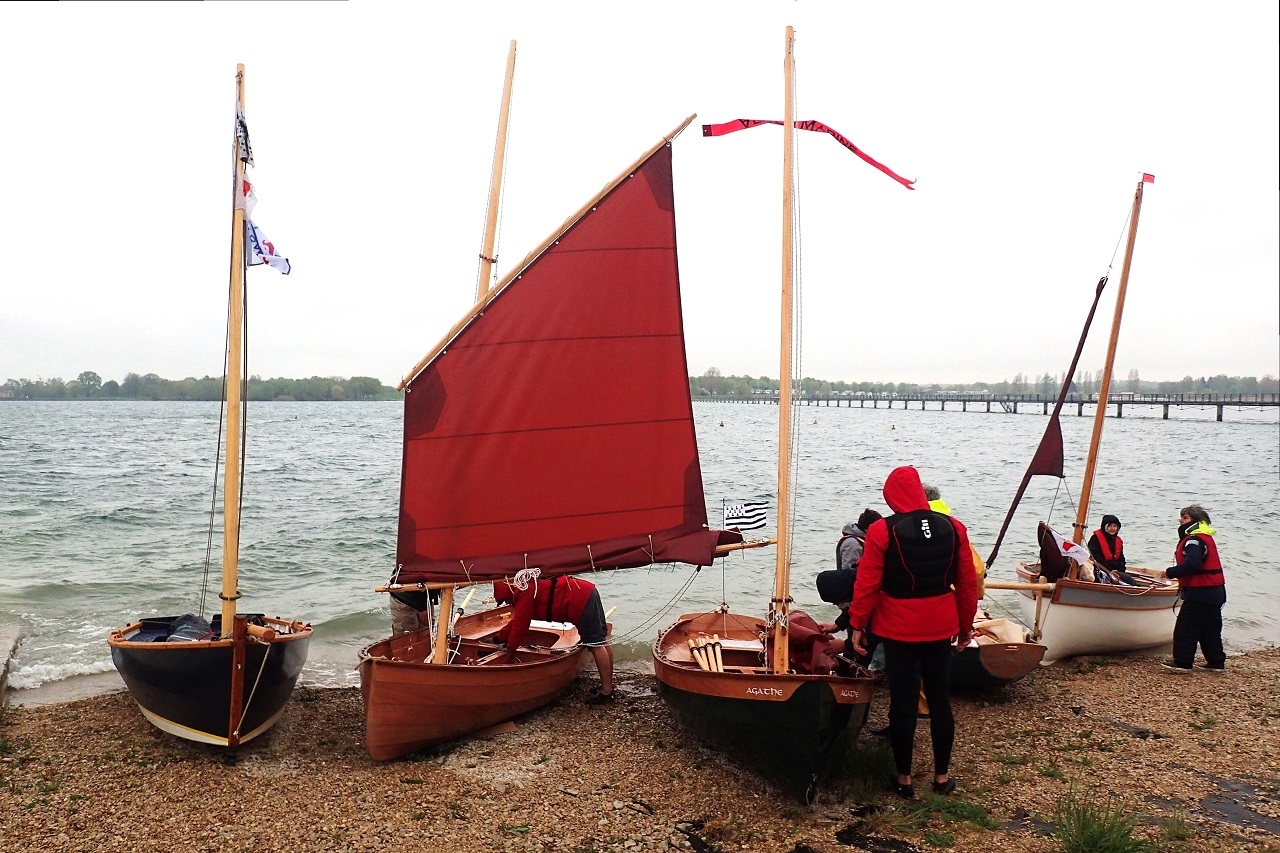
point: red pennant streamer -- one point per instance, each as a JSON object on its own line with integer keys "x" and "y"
{"x": 744, "y": 123}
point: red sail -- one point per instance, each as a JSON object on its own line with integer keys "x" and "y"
{"x": 556, "y": 430}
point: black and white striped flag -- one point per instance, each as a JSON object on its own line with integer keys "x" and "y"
{"x": 747, "y": 515}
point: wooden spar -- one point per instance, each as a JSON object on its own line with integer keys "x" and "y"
{"x": 720, "y": 551}
{"x": 440, "y": 650}
{"x": 1037, "y": 587}
{"x": 778, "y": 608}
{"x": 1082, "y": 514}
{"x": 487, "y": 258}
{"x": 478, "y": 309}
{"x": 235, "y": 707}
{"x": 235, "y": 358}
{"x": 440, "y": 647}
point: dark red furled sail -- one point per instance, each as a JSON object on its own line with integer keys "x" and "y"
{"x": 556, "y": 429}
{"x": 1048, "y": 456}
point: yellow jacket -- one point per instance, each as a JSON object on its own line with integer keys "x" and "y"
{"x": 979, "y": 565}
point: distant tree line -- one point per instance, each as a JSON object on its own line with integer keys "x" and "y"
{"x": 89, "y": 386}
{"x": 712, "y": 383}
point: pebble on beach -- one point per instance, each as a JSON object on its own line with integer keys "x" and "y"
{"x": 1196, "y": 755}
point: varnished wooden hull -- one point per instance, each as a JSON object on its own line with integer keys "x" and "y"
{"x": 1000, "y": 653}
{"x": 196, "y": 691}
{"x": 411, "y": 704}
{"x": 1085, "y": 618}
{"x": 794, "y": 728}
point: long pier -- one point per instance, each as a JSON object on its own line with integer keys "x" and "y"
{"x": 1009, "y": 403}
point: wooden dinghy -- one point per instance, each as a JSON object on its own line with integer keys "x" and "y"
{"x": 411, "y": 703}
{"x": 500, "y": 476}
{"x": 1001, "y": 651}
{"x": 794, "y": 727}
{"x": 756, "y": 702}
{"x": 226, "y": 681}
{"x": 1070, "y": 613}
{"x": 1081, "y": 617}
{"x": 222, "y": 690}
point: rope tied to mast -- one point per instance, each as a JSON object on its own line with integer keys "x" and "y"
{"x": 524, "y": 576}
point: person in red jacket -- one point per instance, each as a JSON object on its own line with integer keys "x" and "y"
{"x": 1203, "y": 590}
{"x": 561, "y": 599}
{"x": 918, "y": 592}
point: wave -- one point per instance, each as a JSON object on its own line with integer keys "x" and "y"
{"x": 40, "y": 674}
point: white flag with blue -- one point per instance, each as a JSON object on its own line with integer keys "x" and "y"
{"x": 747, "y": 515}
{"x": 263, "y": 251}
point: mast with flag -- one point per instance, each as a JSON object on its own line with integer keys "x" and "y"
{"x": 224, "y": 681}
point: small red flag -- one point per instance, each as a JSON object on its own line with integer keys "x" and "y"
{"x": 745, "y": 123}
{"x": 1148, "y": 179}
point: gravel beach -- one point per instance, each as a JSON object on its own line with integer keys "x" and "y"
{"x": 1194, "y": 758}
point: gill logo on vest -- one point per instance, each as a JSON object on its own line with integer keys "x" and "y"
{"x": 924, "y": 528}
{"x": 763, "y": 691}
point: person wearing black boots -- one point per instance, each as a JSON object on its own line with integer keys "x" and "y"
{"x": 1203, "y": 590}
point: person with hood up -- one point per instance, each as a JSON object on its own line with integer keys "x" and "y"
{"x": 1106, "y": 546}
{"x": 1203, "y": 590}
{"x": 917, "y": 591}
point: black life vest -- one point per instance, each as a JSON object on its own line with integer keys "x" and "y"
{"x": 922, "y": 557}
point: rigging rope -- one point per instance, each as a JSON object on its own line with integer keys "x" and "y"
{"x": 217, "y": 466}
{"x": 245, "y": 711}
{"x": 797, "y": 338}
{"x": 644, "y": 626}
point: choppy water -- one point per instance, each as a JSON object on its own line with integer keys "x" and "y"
{"x": 104, "y": 512}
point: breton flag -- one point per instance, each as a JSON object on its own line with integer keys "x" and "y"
{"x": 1070, "y": 549}
{"x": 242, "y": 134}
{"x": 263, "y": 251}
{"x": 747, "y": 515}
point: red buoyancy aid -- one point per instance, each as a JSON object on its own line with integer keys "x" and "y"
{"x": 1210, "y": 573}
{"x": 1105, "y": 546}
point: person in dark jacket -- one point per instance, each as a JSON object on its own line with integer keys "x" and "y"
{"x": 916, "y": 590}
{"x": 561, "y": 599}
{"x": 1203, "y": 590}
{"x": 852, "y": 535}
{"x": 835, "y": 586}
{"x": 1106, "y": 546}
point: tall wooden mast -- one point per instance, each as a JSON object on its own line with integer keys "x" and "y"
{"x": 487, "y": 259}
{"x": 1082, "y": 514}
{"x": 440, "y": 651}
{"x": 235, "y": 359}
{"x": 780, "y": 604}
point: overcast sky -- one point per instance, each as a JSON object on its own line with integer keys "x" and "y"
{"x": 1025, "y": 125}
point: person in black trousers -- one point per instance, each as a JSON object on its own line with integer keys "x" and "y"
{"x": 1203, "y": 590}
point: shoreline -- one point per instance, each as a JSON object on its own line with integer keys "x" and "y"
{"x": 1182, "y": 752}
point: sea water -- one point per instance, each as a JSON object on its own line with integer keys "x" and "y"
{"x": 105, "y": 514}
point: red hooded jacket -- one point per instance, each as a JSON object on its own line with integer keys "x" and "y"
{"x": 917, "y": 620}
